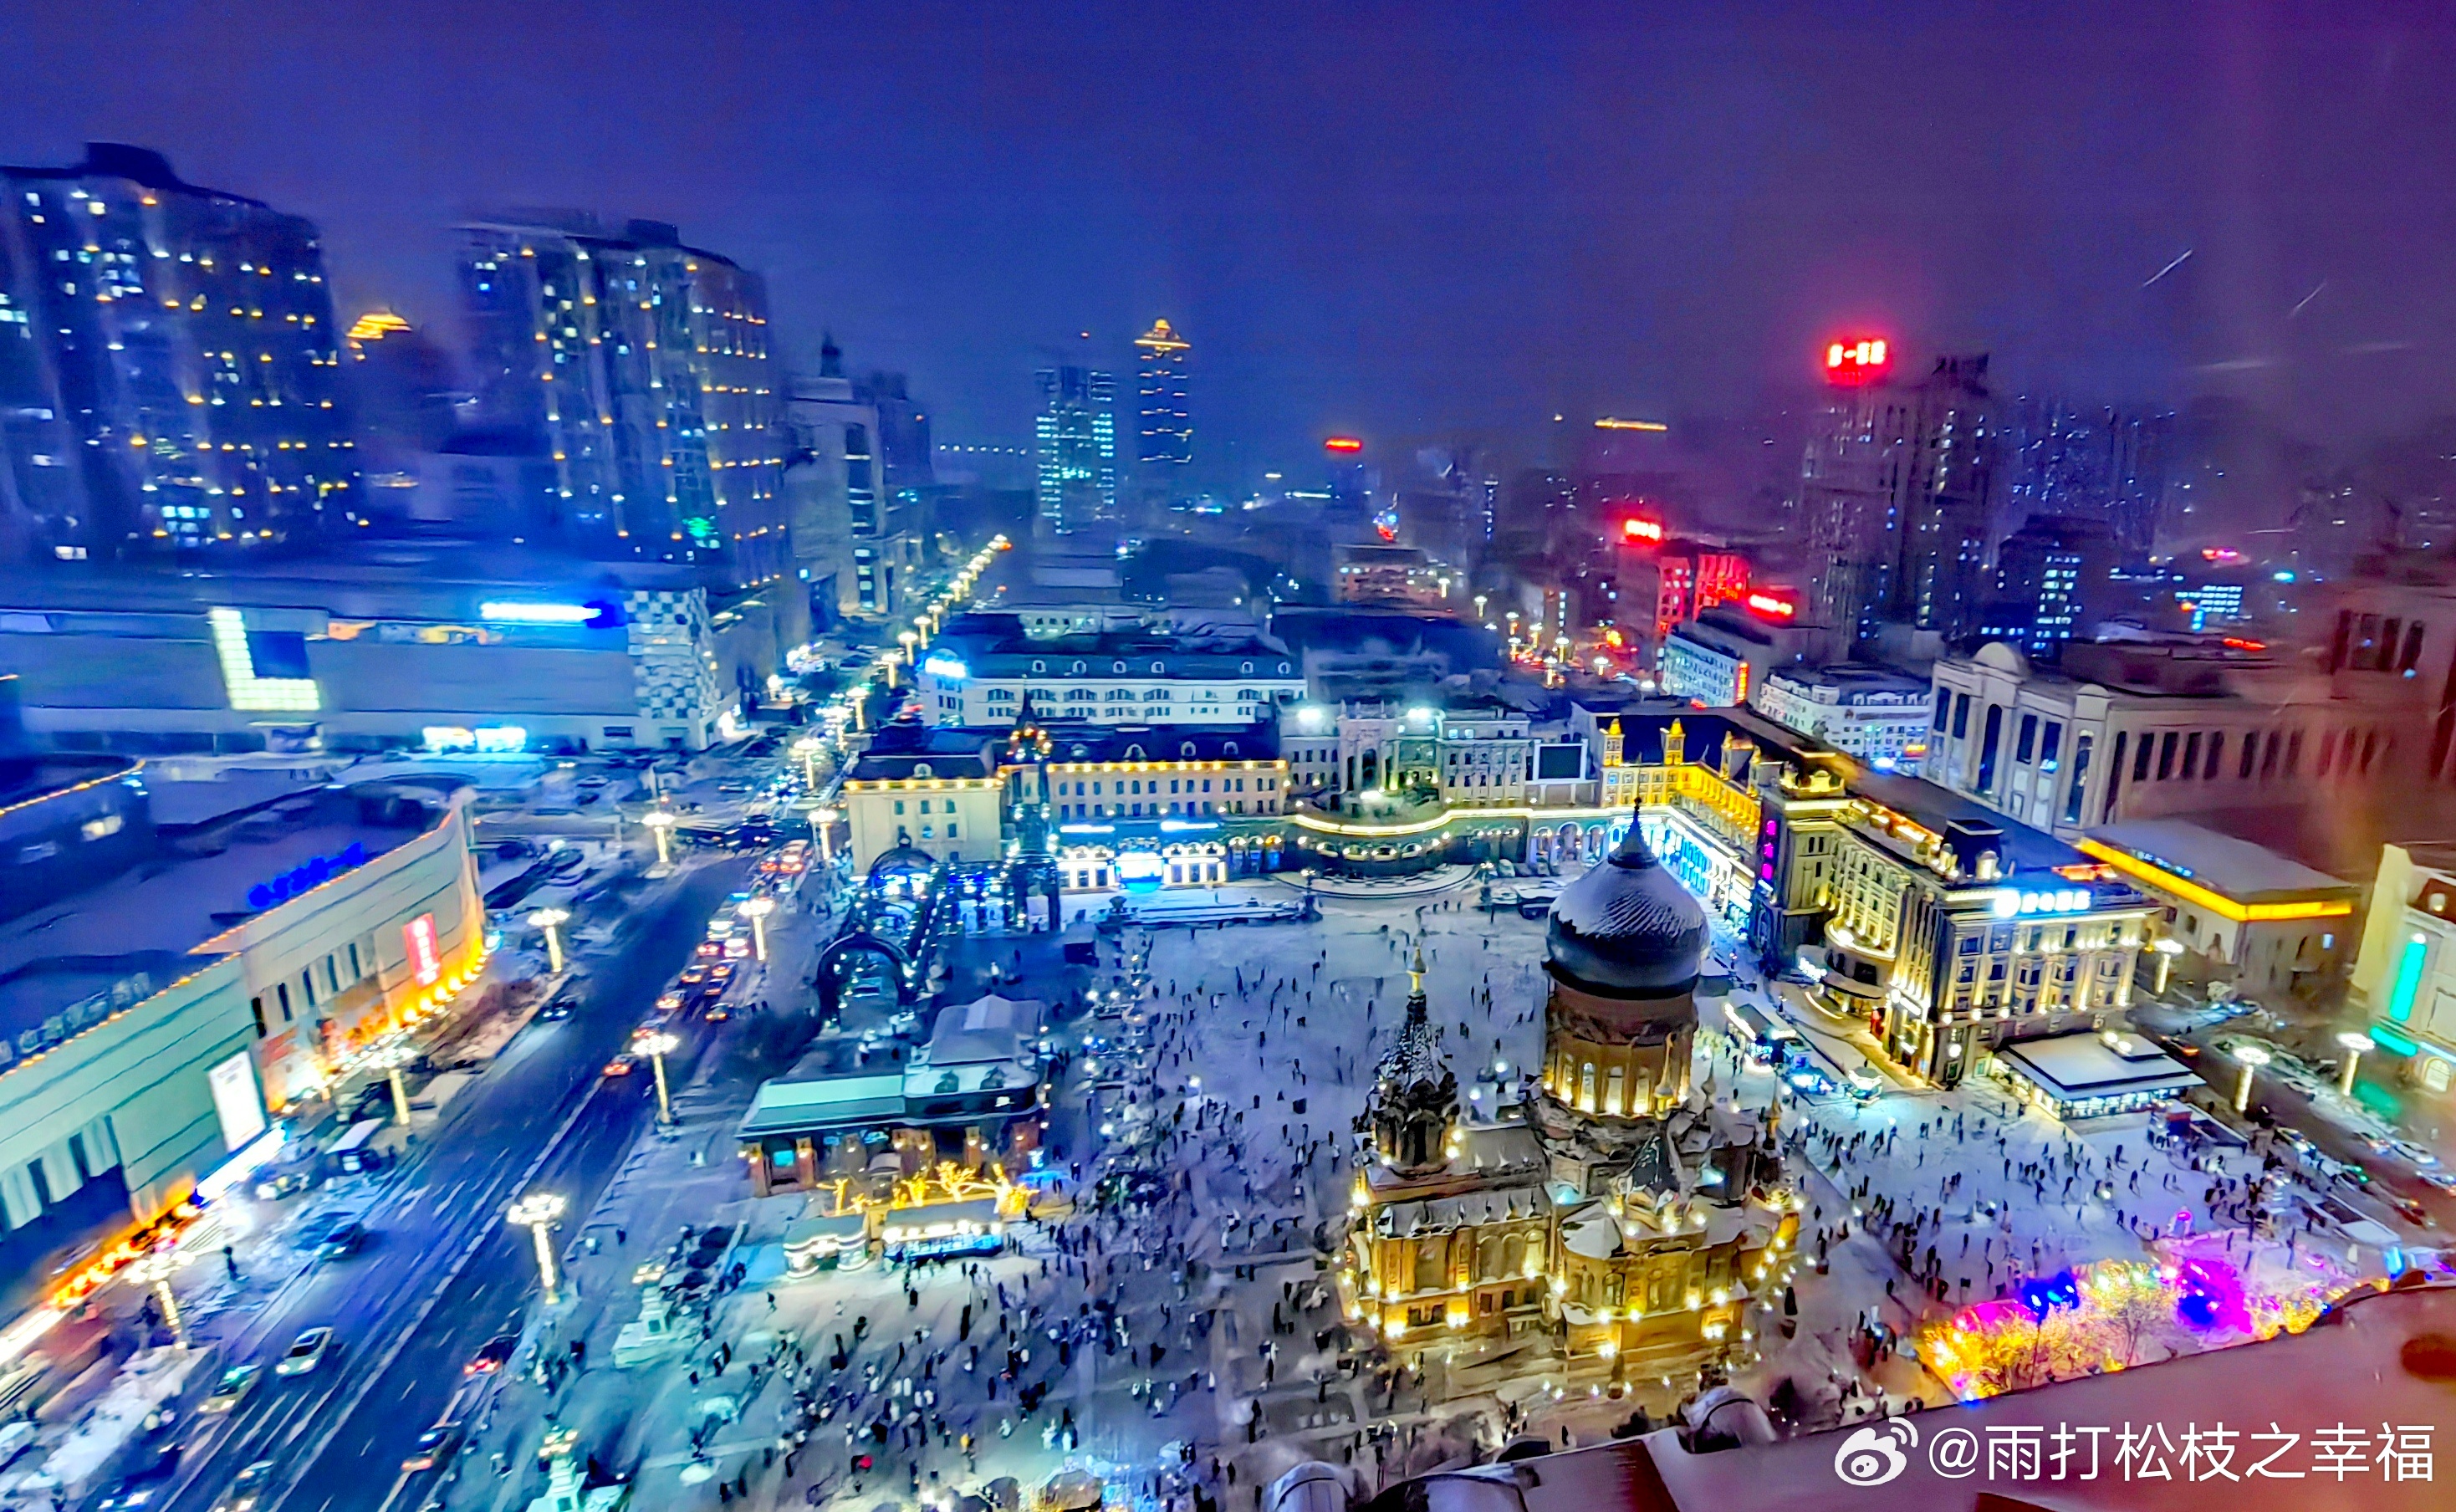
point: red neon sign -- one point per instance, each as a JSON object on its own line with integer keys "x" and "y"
{"x": 1862, "y": 359}
{"x": 1343, "y": 443}
{"x": 1771, "y": 606}
{"x": 1634, "y": 528}
{"x": 425, "y": 960}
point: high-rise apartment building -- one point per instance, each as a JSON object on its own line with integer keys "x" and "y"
{"x": 169, "y": 367}
{"x": 2088, "y": 462}
{"x": 1896, "y": 491}
{"x": 641, "y": 368}
{"x": 1163, "y": 426}
{"x": 1075, "y": 446}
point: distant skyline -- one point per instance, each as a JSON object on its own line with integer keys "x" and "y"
{"x": 1407, "y": 221}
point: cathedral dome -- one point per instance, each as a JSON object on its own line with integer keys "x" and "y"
{"x": 1628, "y": 928}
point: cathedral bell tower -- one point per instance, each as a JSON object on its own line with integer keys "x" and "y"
{"x": 1414, "y": 1103}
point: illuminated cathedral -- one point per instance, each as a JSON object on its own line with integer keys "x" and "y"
{"x": 1608, "y": 1208}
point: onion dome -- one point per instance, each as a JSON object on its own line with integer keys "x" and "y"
{"x": 1628, "y": 927}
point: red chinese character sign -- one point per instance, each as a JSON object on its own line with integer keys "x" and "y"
{"x": 425, "y": 960}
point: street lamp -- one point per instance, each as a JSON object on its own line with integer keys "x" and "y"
{"x": 551, "y": 921}
{"x": 657, "y": 1045}
{"x": 658, "y": 821}
{"x": 756, "y": 910}
{"x": 908, "y": 639}
{"x": 2356, "y": 1043}
{"x": 807, "y": 749}
{"x": 536, "y": 1211}
{"x": 826, "y": 820}
{"x": 2252, "y": 1057}
{"x": 921, "y": 623}
{"x": 859, "y": 693}
{"x": 156, "y": 1270}
{"x": 392, "y": 1060}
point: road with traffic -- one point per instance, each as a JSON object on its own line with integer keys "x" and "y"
{"x": 445, "y": 1272}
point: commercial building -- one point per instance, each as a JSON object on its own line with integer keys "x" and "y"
{"x": 1163, "y": 424}
{"x": 2147, "y": 730}
{"x": 504, "y": 649}
{"x": 1665, "y": 581}
{"x": 1190, "y": 806}
{"x": 2237, "y": 915}
{"x": 1720, "y": 657}
{"x": 1873, "y": 713}
{"x": 1074, "y": 446}
{"x": 2404, "y": 976}
{"x": 2086, "y": 1075}
{"x": 208, "y": 969}
{"x": 640, "y": 368}
{"x": 981, "y": 668}
{"x": 970, "y": 1096}
{"x": 1951, "y": 931}
{"x": 168, "y": 368}
{"x": 931, "y": 788}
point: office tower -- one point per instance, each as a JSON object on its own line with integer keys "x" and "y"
{"x": 169, "y": 367}
{"x": 2090, "y": 462}
{"x": 1075, "y": 446}
{"x": 1163, "y": 427}
{"x": 640, "y": 369}
{"x": 904, "y": 454}
{"x": 850, "y": 548}
{"x": 1897, "y": 489}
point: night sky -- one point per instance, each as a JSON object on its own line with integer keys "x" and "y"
{"x": 1414, "y": 220}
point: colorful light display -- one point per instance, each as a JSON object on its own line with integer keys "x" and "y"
{"x": 2114, "y": 1314}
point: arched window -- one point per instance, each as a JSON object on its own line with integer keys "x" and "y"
{"x": 1116, "y": 666}
{"x": 921, "y": 769}
{"x": 1186, "y": 751}
{"x": 1134, "y": 753}
{"x": 1158, "y": 668}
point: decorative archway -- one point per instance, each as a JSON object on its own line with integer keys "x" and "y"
{"x": 898, "y": 864}
{"x": 835, "y": 964}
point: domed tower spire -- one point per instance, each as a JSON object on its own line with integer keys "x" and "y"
{"x": 1415, "y": 1095}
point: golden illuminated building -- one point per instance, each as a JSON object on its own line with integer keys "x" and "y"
{"x": 1609, "y": 1208}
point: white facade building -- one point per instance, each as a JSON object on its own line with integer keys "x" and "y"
{"x": 1878, "y": 716}
{"x": 1137, "y": 678}
{"x": 2146, "y": 732}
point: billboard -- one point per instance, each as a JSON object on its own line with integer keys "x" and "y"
{"x": 425, "y": 959}
{"x": 237, "y": 1101}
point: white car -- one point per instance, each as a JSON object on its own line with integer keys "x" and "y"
{"x": 2412, "y": 1152}
{"x": 306, "y": 1353}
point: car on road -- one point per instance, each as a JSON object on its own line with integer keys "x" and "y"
{"x": 276, "y": 1187}
{"x": 2443, "y": 1180}
{"x": 232, "y": 1388}
{"x": 492, "y": 1356}
{"x": 2412, "y": 1152}
{"x": 246, "y": 1489}
{"x": 306, "y": 1353}
{"x": 556, "y": 1012}
{"x": 623, "y": 1064}
{"x": 669, "y": 1002}
{"x": 146, "y": 1487}
{"x": 595, "y": 780}
{"x": 343, "y": 1239}
{"x": 708, "y": 951}
{"x": 733, "y": 788}
{"x": 434, "y": 1446}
